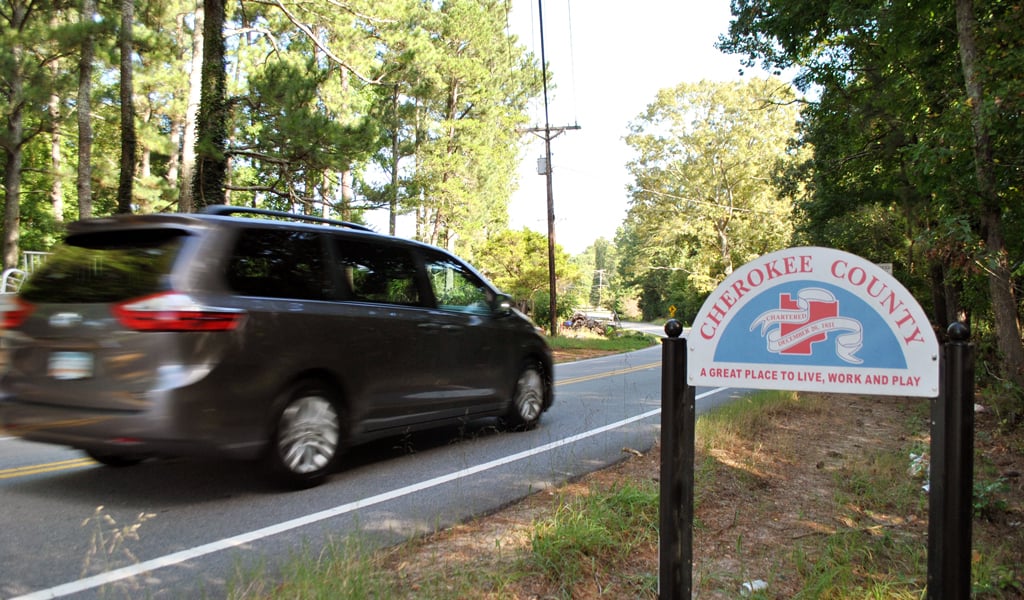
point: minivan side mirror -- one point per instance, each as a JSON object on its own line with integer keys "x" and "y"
{"x": 502, "y": 304}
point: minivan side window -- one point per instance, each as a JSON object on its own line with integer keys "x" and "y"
{"x": 278, "y": 263}
{"x": 374, "y": 272}
{"x": 456, "y": 288}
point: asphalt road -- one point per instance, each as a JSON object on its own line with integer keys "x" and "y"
{"x": 185, "y": 528}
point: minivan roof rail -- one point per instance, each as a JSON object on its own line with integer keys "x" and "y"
{"x": 224, "y": 209}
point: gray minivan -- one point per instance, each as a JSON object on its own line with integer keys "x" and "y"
{"x": 268, "y": 335}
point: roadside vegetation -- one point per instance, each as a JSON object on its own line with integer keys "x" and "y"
{"x": 585, "y": 344}
{"x": 817, "y": 496}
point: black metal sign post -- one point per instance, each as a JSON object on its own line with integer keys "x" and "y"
{"x": 951, "y": 489}
{"x": 675, "y": 575}
{"x": 950, "y": 507}
{"x": 790, "y": 283}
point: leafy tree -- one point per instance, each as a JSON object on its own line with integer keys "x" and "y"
{"x": 602, "y": 287}
{"x": 159, "y": 103}
{"x": 312, "y": 102}
{"x": 304, "y": 112}
{"x": 27, "y": 47}
{"x": 704, "y": 198}
{"x": 1001, "y": 285}
{"x": 903, "y": 113}
{"x": 471, "y": 97}
{"x": 516, "y": 261}
{"x": 295, "y": 144}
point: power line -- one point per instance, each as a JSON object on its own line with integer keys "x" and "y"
{"x": 572, "y": 61}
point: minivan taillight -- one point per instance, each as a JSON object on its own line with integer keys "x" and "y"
{"x": 14, "y": 311}
{"x": 171, "y": 311}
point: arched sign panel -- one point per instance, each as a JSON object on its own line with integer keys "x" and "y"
{"x": 817, "y": 320}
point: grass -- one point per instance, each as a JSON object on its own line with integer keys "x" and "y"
{"x": 340, "y": 570}
{"x": 745, "y": 418}
{"x": 868, "y": 554}
{"x": 850, "y": 527}
{"x": 589, "y": 532}
{"x": 618, "y": 341}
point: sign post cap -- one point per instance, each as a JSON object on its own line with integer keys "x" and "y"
{"x": 957, "y": 332}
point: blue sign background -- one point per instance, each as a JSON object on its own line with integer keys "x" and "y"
{"x": 738, "y": 344}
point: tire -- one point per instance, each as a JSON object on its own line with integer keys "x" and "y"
{"x": 307, "y": 438}
{"x": 528, "y": 397}
{"x": 114, "y": 460}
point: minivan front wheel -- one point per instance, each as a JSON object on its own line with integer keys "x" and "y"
{"x": 528, "y": 397}
{"x": 307, "y": 437}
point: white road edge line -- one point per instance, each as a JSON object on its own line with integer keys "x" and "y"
{"x": 175, "y": 558}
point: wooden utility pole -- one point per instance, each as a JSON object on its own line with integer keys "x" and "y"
{"x": 548, "y": 133}
{"x": 548, "y": 136}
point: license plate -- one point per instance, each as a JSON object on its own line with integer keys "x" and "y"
{"x": 70, "y": 365}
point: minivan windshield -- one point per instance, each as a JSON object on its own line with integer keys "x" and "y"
{"x": 105, "y": 267}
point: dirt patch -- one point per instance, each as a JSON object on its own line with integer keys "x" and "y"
{"x": 764, "y": 500}
{"x": 562, "y": 356}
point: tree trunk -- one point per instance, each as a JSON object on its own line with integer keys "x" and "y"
{"x": 177, "y": 121}
{"x": 174, "y": 160}
{"x": 12, "y": 144}
{"x": 1000, "y": 284}
{"x": 937, "y": 280}
{"x": 188, "y": 142}
{"x": 56, "y": 156}
{"x": 128, "y": 141}
{"x": 84, "y": 105}
{"x": 12, "y": 188}
{"x": 393, "y": 200}
{"x": 211, "y": 163}
{"x": 145, "y": 162}
{"x": 347, "y": 194}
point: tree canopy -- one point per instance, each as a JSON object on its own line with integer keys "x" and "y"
{"x": 517, "y": 262}
{"x": 304, "y": 106}
{"x": 705, "y": 197}
{"x": 916, "y": 129}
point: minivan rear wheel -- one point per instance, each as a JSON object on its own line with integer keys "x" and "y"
{"x": 528, "y": 397}
{"x": 307, "y": 436}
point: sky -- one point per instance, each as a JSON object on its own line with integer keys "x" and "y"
{"x": 608, "y": 63}
{"x": 607, "y": 60}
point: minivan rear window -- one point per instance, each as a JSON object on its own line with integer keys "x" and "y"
{"x": 106, "y": 267}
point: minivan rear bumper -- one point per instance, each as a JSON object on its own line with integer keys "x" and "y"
{"x": 128, "y": 433}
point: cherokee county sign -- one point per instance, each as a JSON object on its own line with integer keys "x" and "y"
{"x": 814, "y": 319}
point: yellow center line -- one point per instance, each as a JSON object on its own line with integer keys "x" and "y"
{"x": 63, "y": 465}
{"x": 608, "y": 374}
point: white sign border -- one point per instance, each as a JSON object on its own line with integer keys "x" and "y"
{"x": 834, "y": 267}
